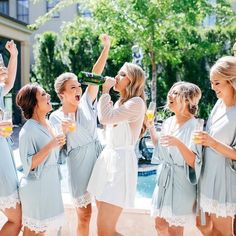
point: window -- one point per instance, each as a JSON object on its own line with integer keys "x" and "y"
{"x": 51, "y": 4}
{"x": 23, "y": 10}
{"x": 4, "y": 7}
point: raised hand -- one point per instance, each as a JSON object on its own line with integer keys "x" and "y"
{"x": 11, "y": 48}
{"x": 105, "y": 40}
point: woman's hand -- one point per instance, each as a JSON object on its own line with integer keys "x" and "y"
{"x": 169, "y": 140}
{"x": 58, "y": 141}
{"x": 105, "y": 39}
{"x": 11, "y": 48}
{"x": 150, "y": 123}
{"x": 109, "y": 83}
{"x": 203, "y": 138}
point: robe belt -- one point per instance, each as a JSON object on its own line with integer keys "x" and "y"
{"x": 73, "y": 152}
{"x": 165, "y": 181}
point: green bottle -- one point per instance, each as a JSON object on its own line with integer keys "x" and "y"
{"x": 90, "y": 78}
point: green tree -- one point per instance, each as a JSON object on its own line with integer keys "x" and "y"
{"x": 48, "y": 64}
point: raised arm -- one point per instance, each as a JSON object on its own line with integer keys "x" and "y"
{"x": 100, "y": 64}
{"x": 12, "y": 66}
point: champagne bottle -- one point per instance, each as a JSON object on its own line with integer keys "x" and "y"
{"x": 90, "y": 78}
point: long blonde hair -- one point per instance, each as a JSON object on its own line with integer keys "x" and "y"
{"x": 225, "y": 69}
{"x": 136, "y": 86}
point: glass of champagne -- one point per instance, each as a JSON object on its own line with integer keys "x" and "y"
{"x": 71, "y": 118}
{"x": 150, "y": 111}
{"x": 198, "y": 127}
{"x": 7, "y": 119}
{"x": 59, "y": 131}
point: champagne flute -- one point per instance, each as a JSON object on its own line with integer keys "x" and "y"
{"x": 71, "y": 118}
{"x": 7, "y": 118}
{"x": 150, "y": 111}
{"x": 198, "y": 128}
{"x": 59, "y": 131}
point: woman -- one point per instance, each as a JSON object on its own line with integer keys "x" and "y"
{"x": 114, "y": 178}
{"x": 218, "y": 179}
{"x": 9, "y": 199}
{"x": 82, "y": 146}
{"x": 174, "y": 196}
{"x": 40, "y": 189}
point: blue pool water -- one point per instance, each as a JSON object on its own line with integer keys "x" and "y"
{"x": 146, "y": 183}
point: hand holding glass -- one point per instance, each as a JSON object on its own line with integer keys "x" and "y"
{"x": 198, "y": 128}
{"x": 151, "y": 110}
{"x": 59, "y": 132}
{"x": 71, "y": 118}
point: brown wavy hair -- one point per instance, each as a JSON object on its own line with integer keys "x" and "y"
{"x": 26, "y": 99}
{"x": 136, "y": 86}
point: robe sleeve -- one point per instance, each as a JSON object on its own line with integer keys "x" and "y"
{"x": 130, "y": 111}
{"x": 27, "y": 149}
{"x": 193, "y": 175}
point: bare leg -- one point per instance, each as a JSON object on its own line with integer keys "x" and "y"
{"x": 161, "y": 226}
{"x": 176, "y": 231}
{"x": 84, "y": 216}
{"x": 108, "y": 211}
{"x": 235, "y": 225}
{"x": 13, "y": 226}
{"x": 28, "y": 232}
{"x": 207, "y": 229}
{"x": 222, "y": 225}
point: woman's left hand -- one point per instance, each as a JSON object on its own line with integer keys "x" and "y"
{"x": 169, "y": 140}
{"x": 205, "y": 139}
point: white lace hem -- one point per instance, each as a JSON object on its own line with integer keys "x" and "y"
{"x": 180, "y": 220}
{"x": 214, "y": 207}
{"x": 43, "y": 225}
{"x": 9, "y": 201}
{"x": 82, "y": 201}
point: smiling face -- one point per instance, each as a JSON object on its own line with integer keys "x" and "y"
{"x": 183, "y": 98}
{"x": 72, "y": 92}
{"x": 174, "y": 101}
{"x": 222, "y": 88}
{"x": 223, "y": 79}
{"x": 43, "y": 101}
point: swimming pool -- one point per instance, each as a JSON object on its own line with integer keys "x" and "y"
{"x": 146, "y": 183}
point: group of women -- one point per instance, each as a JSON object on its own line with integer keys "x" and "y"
{"x": 195, "y": 176}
